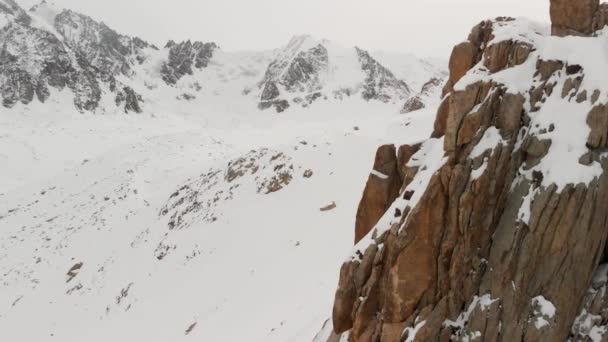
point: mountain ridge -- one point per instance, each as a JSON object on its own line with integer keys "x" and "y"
{"x": 103, "y": 65}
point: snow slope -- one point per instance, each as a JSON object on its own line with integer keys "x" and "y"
{"x": 198, "y": 218}
{"x": 91, "y": 190}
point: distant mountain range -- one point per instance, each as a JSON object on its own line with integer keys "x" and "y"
{"x": 47, "y": 50}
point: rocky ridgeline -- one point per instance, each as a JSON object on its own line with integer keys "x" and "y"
{"x": 47, "y": 48}
{"x": 73, "y": 51}
{"x": 493, "y": 229}
{"x": 301, "y": 74}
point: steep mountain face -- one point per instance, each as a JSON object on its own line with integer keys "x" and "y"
{"x": 307, "y": 70}
{"x": 46, "y": 50}
{"x": 499, "y": 229}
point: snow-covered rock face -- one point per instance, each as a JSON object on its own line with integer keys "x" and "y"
{"x": 307, "y": 70}
{"x": 47, "y": 50}
{"x": 506, "y": 201}
{"x": 109, "y": 52}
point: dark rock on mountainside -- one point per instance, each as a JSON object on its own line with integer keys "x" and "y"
{"x": 380, "y": 83}
{"x": 418, "y": 102}
{"x": 185, "y": 56}
{"x": 105, "y": 50}
{"x": 300, "y": 72}
{"x": 490, "y": 244}
{"x": 128, "y": 99}
{"x": 81, "y": 55}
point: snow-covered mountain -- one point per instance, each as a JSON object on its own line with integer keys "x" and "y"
{"x": 48, "y": 49}
{"x": 307, "y": 70}
{"x": 197, "y": 215}
{"x": 45, "y": 51}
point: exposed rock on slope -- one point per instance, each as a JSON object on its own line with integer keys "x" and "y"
{"x": 197, "y": 200}
{"x": 501, "y": 221}
{"x": 183, "y": 57}
{"x": 47, "y": 49}
{"x": 427, "y": 92}
{"x": 307, "y": 70}
{"x": 381, "y": 190}
{"x": 380, "y": 83}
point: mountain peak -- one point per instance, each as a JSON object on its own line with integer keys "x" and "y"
{"x": 305, "y": 41}
{"x": 308, "y": 69}
{"x": 94, "y": 61}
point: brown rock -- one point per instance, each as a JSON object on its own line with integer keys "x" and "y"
{"x": 573, "y": 17}
{"x": 465, "y": 248}
{"x": 496, "y": 56}
{"x": 601, "y": 17}
{"x": 508, "y": 117}
{"x": 329, "y": 207}
{"x": 404, "y": 154}
{"x": 464, "y": 57}
{"x": 382, "y": 189}
{"x": 597, "y": 119}
{"x": 345, "y": 299}
{"x": 461, "y": 103}
{"x": 441, "y": 119}
{"x": 547, "y": 68}
{"x": 413, "y": 104}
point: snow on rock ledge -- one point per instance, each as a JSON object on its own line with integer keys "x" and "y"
{"x": 511, "y": 207}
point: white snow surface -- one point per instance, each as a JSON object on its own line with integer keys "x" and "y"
{"x": 483, "y": 303}
{"x": 83, "y": 188}
{"x": 412, "y": 332}
{"x": 379, "y": 174}
{"x": 87, "y": 251}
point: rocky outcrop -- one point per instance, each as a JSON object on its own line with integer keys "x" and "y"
{"x": 578, "y": 18}
{"x": 501, "y": 224}
{"x": 419, "y": 101}
{"x": 573, "y": 17}
{"x": 184, "y": 57}
{"x": 380, "y": 192}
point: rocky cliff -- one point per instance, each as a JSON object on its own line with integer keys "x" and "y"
{"x": 499, "y": 225}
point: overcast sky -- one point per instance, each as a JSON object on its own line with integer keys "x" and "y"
{"x": 423, "y": 27}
